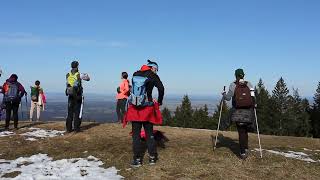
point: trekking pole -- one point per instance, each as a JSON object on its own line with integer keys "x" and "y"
{"x": 255, "y": 114}
{"x": 27, "y": 103}
{"x": 81, "y": 108}
{"x": 221, "y": 105}
{"x": 21, "y": 110}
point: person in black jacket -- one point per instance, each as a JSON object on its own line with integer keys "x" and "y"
{"x": 13, "y": 91}
{"x": 74, "y": 91}
{"x": 150, "y": 71}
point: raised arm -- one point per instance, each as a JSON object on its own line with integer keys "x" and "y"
{"x": 230, "y": 93}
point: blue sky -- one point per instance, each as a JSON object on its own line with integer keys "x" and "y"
{"x": 198, "y": 44}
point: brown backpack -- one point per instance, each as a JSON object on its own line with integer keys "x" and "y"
{"x": 242, "y": 96}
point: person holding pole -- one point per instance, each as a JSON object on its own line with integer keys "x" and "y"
{"x": 74, "y": 91}
{"x": 242, "y": 113}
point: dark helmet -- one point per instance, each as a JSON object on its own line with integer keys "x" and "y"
{"x": 74, "y": 64}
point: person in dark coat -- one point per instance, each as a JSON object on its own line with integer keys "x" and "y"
{"x": 13, "y": 92}
{"x": 146, "y": 116}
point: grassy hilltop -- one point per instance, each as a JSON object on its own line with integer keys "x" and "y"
{"x": 189, "y": 153}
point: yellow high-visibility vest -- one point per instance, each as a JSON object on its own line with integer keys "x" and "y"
{"x": 73, "y": 78}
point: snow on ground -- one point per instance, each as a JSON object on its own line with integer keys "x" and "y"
{"x": 294, "y": 155}
{"x": 31, "y": 139}
{"x": 42, "y": 167}
{"x": 6, "y": 133}
{"x": 306, "y": 149}
{"x": 35, "y": 133}
{"x": 42, "y": 133}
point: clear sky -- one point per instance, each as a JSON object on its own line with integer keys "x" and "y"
{"x": 198, "y": 44}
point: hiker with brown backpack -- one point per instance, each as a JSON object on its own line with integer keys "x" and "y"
{"x": 242, "y": 113}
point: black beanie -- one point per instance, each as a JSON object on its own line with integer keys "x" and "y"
{"x": 14, "y": 76}
{"x": 74, "y": 64}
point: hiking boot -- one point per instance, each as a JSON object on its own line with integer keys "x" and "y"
{"x": 77, "y": 131}
{"x": 69, "y": 131}
{"x": 136, "y": 163}
{"x": 245, "y": 154}
{"x": 153, "y": 160}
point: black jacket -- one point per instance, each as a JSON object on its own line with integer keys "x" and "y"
{"x": 153, "y": 81}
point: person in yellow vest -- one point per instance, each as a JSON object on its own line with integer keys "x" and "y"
{"x": 74, "y": 92}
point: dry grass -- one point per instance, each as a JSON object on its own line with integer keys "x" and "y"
{"x": 189, "y": 154}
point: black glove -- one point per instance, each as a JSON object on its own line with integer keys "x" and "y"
{"x": 118, "y": 90}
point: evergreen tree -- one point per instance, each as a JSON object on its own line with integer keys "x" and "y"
{"x": 200, "y": 118}
{"x": 315, "y": 114}
{"x": 224, "y": 115}
{"x": 317, "y": 97}
{"x": 300, "y": 125}
{"x": 167, "y": 118}
{"x": 184, "y": 113}
{"x": 279, "y": 105}
{"x": 266, "y": 123}
{"x": 304, "y": 128}
{"x": 289, "y": 112}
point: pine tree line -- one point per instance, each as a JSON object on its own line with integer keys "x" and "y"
{"x": 279, "y": 113}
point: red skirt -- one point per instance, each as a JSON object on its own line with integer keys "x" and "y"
{"x": 150, "y": 114}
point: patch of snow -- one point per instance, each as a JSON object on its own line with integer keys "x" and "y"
{"x": 6, "y": 133}
{"x": 31, "y": 139}
{"x": 42, "y": 133}
{"x": 306, "y": 149}
{"x": 42, "y": 167}
{"x": 294, "y": 155}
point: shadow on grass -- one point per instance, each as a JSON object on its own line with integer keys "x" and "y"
{"x": 32, "y": 124}
{"x": 227, "y": 143}
{"x": 2, "y": 127}
{"x": 89, "y": 126}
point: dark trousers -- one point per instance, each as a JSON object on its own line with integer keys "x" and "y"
{"x": 74, "y": 106}
{"x": 12, "y": 107}
{"x": 121, "y": 109}
{"x": 137, "y": 145}
{"x": 243, "y": 136}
